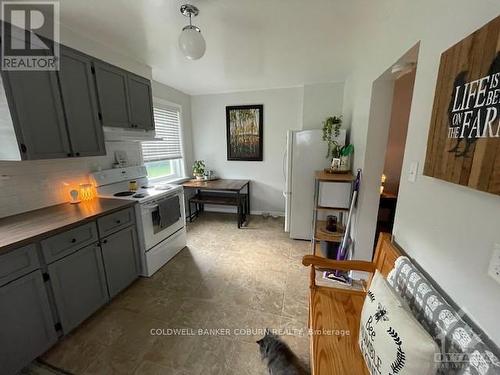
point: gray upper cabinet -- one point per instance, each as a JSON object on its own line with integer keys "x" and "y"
{"x": 141, "y": 102}
{"x": 27, "y": 326}
{"x": 112, "y": 93}
{"x": 37, "y": 113}
{"x": 80, "y": 104}
{"x": 61, "y": 114}
{"x": 79, "y": 286}
{"x": 120, "y": 254}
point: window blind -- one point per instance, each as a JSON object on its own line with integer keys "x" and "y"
{"x": 168, "y": 130}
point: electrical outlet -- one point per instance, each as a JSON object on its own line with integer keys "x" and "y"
{"x": 412, "y": 176}
{"x": 494, "y": 267}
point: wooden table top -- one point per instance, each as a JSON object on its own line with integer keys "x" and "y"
{"x": 220, "y": 184}
{"x": 28, "y": 227}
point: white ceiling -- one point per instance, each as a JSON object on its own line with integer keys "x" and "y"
{"x": 251, "y": 44}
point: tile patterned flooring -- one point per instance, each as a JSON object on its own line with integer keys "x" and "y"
{"x": 226, "y": 278}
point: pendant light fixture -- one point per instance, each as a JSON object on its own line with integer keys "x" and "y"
{"x": 191, "y": 41}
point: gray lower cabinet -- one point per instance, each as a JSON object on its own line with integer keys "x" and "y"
{"x": 120, "y": 254}
{"x": 141, "y": 102}
{"x": 80, "y": 103}
{"x": 27, "y": 327}
{"x": 112, "y": 94}
{"x": 79, "y": 286}
{"x": 37, "y": 113}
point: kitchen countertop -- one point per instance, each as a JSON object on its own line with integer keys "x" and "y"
{"x": 28, "y": 227}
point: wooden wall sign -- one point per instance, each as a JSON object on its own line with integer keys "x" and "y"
{"x": 463, "y": 144}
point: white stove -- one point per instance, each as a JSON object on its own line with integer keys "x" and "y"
{"x": 160, "y": 213}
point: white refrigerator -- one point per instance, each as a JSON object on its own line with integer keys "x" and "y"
{"x": 305, "y": 153}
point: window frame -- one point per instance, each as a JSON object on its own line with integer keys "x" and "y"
{"x": 180, "y": 163}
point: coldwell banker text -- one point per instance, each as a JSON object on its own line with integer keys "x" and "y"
{"x": 476, "y": 109}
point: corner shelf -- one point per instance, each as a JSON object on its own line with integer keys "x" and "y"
{"x": 321, "y": 234}
{"x": 322, "y": 208}
{"x": 334, "y": 177}
{"x": 319, "y": 226}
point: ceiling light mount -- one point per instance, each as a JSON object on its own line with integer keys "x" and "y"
{"x": 191, "y": 42}
{"x": 403, "y": 68}
{"x": 189, "y": 10}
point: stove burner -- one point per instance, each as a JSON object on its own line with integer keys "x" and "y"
{"x": 124, "y": 194}
{"x": 139, "y": 195}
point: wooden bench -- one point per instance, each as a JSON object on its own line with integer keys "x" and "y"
{"x": 333, "y": 310}
{"x": 220, "y": 199}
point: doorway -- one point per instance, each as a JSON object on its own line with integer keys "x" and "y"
{"x": 379, "y": 120}
{"x": 394, "y": 153}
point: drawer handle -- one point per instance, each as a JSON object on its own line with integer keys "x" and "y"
{"x": 73, "y": 240}
{"x": 118, "y": 221}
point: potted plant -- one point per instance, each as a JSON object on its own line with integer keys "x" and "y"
{"x": 199, "y": 169}
{"x": 331, "y": 130}
{"x": 345, "y": 157}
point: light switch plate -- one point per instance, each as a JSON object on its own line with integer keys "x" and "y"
{"x": 412, "y": 176}
{"x": 494, "y": 267}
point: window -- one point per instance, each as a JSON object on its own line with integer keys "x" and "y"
{"x": 163, "y": 157}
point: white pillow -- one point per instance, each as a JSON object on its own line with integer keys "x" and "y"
{"x": 391, "y": 339}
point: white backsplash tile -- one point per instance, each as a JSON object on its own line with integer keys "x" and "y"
{"x": 28, "y": 185}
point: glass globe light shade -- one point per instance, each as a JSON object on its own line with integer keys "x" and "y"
{"x": 192, "y": 43}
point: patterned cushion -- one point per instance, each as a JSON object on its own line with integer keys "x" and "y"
{"x": 463, "y": 351}
{"x": 391, "y": 340}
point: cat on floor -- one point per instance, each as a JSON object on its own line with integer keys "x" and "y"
{"x": 279, "y": 357}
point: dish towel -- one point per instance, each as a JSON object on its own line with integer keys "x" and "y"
{"x": 169, "y": 211}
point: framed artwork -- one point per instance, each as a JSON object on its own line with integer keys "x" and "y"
{"x": 244, "y": 131}
{"x": 463, "y": 145}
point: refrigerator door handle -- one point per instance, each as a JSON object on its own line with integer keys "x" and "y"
{"x": 283, "y": 164}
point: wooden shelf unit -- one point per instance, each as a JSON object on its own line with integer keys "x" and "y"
{"x": 319, "y": 226}
{"x": 340, "y": 209}
{"x": 317, "y": 250}
{"x": 321, "y": 234}
{"x": 334, "y": 177}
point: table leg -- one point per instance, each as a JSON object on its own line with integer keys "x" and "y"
{"x": 238, "y": 202}
{"x": 248, "y": 198}
{"x": 189, "y": 209}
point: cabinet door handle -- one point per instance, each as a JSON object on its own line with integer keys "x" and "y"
{"x": 23, "y": 148}
{"x": 118, "y": 221}
{"x": 70, "y": 154}
{"x": 77, "y": 154}
{"x": 73, "y": 240}
{"x": 104, "y": 241}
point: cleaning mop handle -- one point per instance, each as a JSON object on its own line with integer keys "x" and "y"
{"x": 343, "y": 246}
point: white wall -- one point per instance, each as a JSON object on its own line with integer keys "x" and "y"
{"x": 29, "y": 185}
{"x": 321, "y": 101}
{"x": 282, "y": 111}
{"x": 450, "y": 230}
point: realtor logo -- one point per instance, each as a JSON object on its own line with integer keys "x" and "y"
{"x": 30, "y": 35}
